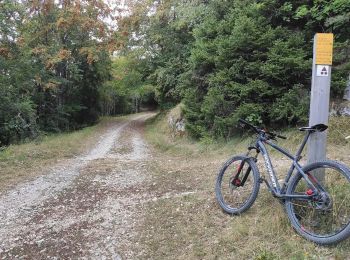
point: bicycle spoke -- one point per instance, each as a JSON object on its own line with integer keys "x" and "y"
{"x": 326, "y": 213}
{"x": 237, "y": 185}
{"x": 317, "y": 198}
{"x": 299, "y": 205}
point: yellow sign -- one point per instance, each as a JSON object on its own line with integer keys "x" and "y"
{"x": 324, "y": 48}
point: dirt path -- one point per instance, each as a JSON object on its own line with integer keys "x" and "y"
{"x": 88, "y": 207}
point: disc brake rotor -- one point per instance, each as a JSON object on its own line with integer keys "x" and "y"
{"x": 322, "y": 202}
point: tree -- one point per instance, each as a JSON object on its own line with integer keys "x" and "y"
{"x": 252, "y": 60}
{"x": 54, "y": 58}
{"x": 162, "y": 32}
{"x": 17, "y": 111}
{"x": 70, "y": 43}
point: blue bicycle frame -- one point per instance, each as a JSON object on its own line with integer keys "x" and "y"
{"x": 274, "y": 186}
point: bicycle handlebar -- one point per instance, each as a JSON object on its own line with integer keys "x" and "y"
{"x": 259, "y": 131}
{"x": 250, "y": 125}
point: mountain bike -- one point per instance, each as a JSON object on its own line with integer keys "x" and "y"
{"x": 316, "y": 196}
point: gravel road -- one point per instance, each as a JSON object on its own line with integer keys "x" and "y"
{"x": 87, "y": 208}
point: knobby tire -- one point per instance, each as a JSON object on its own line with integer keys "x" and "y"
{"x": 237, "y": 199}
{"x": 324, "y": 220}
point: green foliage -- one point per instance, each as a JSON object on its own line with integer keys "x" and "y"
{"x": 147, "y": 93}
{"x": 17, "y": 117}
{"x": 230, "y": 59}
{"x": 222, "y": 59}
{"x": 66, "y": 46}
{"x": 293, "y": 106}
{"x": 249, "y": 62}
{"x": 241, "y": 65}
{"x": 53, "y": 60}
{"x": 164, "y": 39}
{"x": 127, "y": 91}
{"x": 265, "y": 255}
{"x": 17, "y": 111}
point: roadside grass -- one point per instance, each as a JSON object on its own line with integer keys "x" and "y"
{"x": 185, "y": 221}
{"x": 25, "y": 161}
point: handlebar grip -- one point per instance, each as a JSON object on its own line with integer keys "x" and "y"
{"x": 245, "y": 122}
{"x": 248, "y": 124}
{"x": 257, "y": 130}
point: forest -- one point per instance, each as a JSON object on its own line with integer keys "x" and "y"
{"x": 65, "y": 63}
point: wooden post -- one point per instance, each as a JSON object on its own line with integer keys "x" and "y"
{"x": 320, "y": 92}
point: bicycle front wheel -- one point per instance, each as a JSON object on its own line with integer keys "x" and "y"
{"x": 237, "y": 185}
{"x": 323, "y": 218}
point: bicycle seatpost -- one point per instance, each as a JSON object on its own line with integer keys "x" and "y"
{"x": 301, "y": 148}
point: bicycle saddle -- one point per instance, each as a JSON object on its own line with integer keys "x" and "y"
{"x": 314, "y": 128}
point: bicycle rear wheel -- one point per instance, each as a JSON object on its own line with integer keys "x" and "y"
{"x": 237, "y": 185}
{"x": 325, "y": 218}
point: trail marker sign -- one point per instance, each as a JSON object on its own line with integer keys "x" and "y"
{"x": 324, "y": 48}
{"x": 322, "y": 70}
{"x": 320, "y": 90}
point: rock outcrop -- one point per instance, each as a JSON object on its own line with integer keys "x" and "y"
{"x": 176, "y": 121}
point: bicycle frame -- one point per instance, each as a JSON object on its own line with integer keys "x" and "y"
{"x": 274, "y": 186}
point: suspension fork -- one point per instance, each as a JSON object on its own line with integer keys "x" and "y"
{"x": 245, "y": 177}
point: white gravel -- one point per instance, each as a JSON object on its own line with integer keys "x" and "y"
{"x": 20, "y": 206}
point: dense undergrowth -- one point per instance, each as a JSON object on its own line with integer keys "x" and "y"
{"x": 237, "y": 59}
